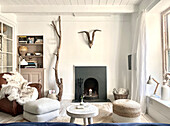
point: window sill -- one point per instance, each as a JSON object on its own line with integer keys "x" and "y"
{"x": 158, "y": 109}
{"x": 163, "y": 102}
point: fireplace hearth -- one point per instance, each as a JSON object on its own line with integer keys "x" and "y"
{"x": 90, "y": 82}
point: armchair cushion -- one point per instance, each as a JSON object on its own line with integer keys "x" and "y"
{"x": 38, "y": 87}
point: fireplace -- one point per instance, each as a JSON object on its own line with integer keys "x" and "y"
{"x": 90, "y": 82}
{"x": 90, "y": 89}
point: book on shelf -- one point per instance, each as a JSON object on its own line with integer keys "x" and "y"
{"x": 23, "y": 42}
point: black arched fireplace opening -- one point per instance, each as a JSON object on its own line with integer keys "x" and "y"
{"x": 90, "y": 89}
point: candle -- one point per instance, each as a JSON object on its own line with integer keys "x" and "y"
{"x": 90, "y": 92}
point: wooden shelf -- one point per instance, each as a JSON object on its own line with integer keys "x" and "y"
{"x": 34, "y": 44}
{"x": 39, "y": 68}
{"x": 32, "y": 56}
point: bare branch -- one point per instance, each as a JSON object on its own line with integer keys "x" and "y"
{"x": 55, "y": 28}
{"x": 59, "y": 82}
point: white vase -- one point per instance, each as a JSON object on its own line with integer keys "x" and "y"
{"x": 165, "y": 92}
{"x": 81, "y": 103}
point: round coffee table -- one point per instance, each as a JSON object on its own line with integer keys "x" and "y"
{"x": 87, "y": 113}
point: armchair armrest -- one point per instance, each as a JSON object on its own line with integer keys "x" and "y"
{"x": 38, "y": 86}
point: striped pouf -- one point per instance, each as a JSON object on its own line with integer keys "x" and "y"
{"x": 125, "y": 110}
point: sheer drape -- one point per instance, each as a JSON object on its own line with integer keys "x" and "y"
{"x": 138, "y": 80}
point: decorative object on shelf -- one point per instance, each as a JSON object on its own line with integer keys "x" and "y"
{"x": 28, "y": 54}
{"x": 39, "y": 41}
{"x": 22, "y": 39}
{"x": 58, "y": 81}
{"x": 30, "y": 40}
{"x": 31, "y": 64}
{"x": 150, "y": 81}
{"x": 23, "y": 62}
{"x": 23, "y": 50}
{"x": 90, "y": 40}
{"x": 38, "y": 54}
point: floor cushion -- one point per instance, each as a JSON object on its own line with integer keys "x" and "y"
{"x": 41, "y": 110}
{"x": 125, "y": 110}
{"x": 42, "y": 105}
{"x": 41, "y": 117}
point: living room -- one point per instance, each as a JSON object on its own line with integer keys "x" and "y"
{"x": 113, "y": 45}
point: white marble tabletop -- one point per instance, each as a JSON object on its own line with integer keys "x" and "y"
{"x": 87, "y": 111}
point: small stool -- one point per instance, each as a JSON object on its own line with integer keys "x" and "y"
{"x": 41, "y": 110}
{"x": 125, "y": 110}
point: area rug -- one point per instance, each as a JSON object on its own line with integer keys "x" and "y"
{"x": 104, "y": 116}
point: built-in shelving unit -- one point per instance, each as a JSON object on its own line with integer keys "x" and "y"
{"x": 30, "y": 49}
{"x": 34, "y": 50}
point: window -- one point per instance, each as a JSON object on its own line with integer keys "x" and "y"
{"x": 6, "y": 48}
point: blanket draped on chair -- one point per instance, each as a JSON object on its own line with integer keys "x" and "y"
{"x": 17, "y": 89}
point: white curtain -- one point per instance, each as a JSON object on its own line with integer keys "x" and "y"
{"x": 138, "y": 80}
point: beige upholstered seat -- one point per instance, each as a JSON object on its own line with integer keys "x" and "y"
{"x": 125, "y": 110}
{"x": 41, "y": 110}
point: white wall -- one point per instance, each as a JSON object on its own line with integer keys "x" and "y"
{"x": 111, "y": 47}
{"x": 154, "y": 47}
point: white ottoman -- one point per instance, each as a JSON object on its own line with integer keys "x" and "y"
{"x": 41, "y": 110}
{"x": 125, "y": 110}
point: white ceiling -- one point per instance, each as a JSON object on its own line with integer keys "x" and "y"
{"x": 70, "y": 2}
{"x": 74, "y": 6}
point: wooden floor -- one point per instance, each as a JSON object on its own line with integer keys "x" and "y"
{"x": 105, "y": 115}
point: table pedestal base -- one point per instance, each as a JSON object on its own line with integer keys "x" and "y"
{"x": 85, "y": 120}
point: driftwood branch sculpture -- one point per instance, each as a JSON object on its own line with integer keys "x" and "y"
{"x": 58, "y": 81}
{"x": 90, "y": 41}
